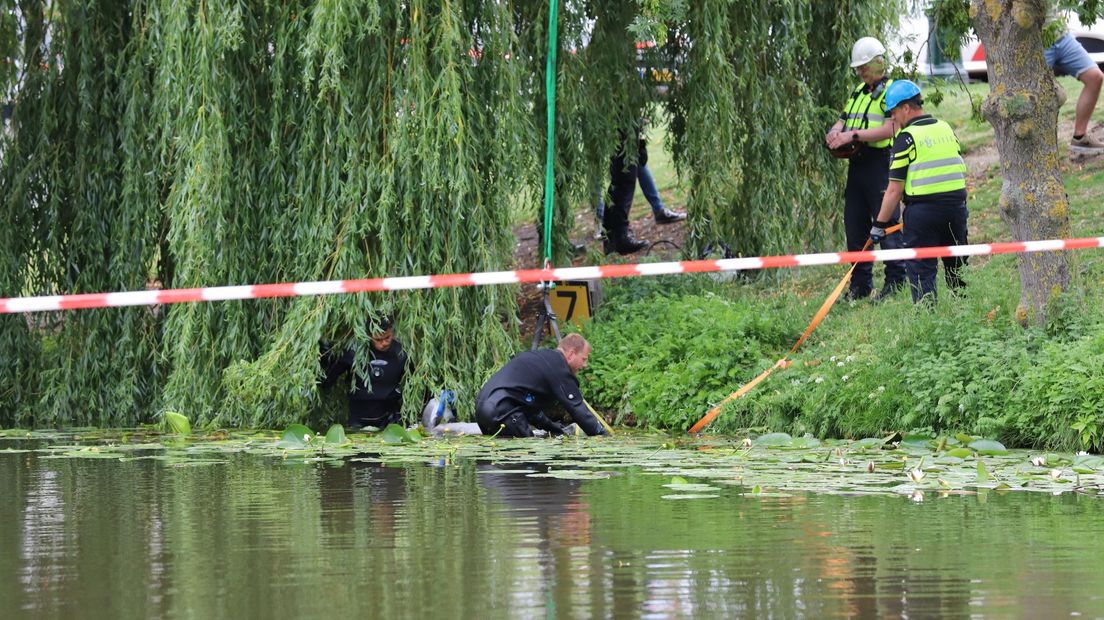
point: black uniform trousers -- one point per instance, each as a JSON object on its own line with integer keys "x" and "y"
{"x": 929, "y": 224}
{"x": 622, "y": 188}
{"x": 505, "y": 419}
{"x": 867, "y": 178}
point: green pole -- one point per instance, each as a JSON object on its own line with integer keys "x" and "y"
{"x": 550, "y": 87}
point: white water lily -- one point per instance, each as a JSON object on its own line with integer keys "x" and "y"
{"x": 306, "y": 438}
{"x": 1056, "y": 474}
{"x": 1038, "y": 461}
{"x": 1082, "y": 453}
{"x": 916, "y": 474}
{"x": 747, "y": 442}
{"x": 870, "y": 466}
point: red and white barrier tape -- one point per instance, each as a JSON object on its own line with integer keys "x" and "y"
{"x": 332, "y": 287}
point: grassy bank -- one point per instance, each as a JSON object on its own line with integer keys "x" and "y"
{"x": 666, "y": 350}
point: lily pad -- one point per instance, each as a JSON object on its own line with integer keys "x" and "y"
{"x": 774, "y": 440}
{"x": 868, "y": 443}
{"x": 395, "y": 434}
{"x": 296, "y": 436}
{"x": 690, "y": 496}
{"x": 1087, "y": 464}
{"x": 336, "y": 436}
{"x": 988, "y": 447}
{"x": 806, "y": 443}
{"x": 982, "y": 473}
{"x": 177, "y": 422}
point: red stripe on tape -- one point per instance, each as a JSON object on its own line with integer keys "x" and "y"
{"x": 780, "y": 261}
{"x": 700, "y": 266}
{"x": 1010, "y": 247}
{"x": 274, "y": 290}
{"x": 535, "y": 275}
{"x": 618, "y": 271}
{"x": 179, "y": 295}
{"x": 1078, "y": 244}
{"x": 452, "y": 279}
{"x": 80, "y": 302}
{"x": 365, "y": 285}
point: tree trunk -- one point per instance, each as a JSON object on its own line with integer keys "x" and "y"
{"x": 1022, "y": 107}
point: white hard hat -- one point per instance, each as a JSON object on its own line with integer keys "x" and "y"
{"x": 865, "y": 50}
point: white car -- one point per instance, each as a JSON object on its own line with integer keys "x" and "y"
{"x": 1090, "y": 37}
{"x": 913, "y": 33}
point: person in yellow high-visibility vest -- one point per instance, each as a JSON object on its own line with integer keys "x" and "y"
{"x": 864, "y": 134}
{"x": 927, "y": 170}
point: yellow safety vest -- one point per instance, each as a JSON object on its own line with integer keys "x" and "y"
{"x": 938, "y": 166}
{"x": 866, "y": 112}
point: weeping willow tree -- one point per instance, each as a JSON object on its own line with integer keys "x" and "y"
{"x": 183, "y": 143}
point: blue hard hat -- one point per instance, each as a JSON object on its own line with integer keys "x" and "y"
{"x": 898, "y": 91}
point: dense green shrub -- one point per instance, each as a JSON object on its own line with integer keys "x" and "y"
{"x": 666, "y": 358}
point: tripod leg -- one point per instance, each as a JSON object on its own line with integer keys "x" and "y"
{"x": 538, "y": 332}
{"x": 547, "y": 315}
{"x": 552, "y": 318}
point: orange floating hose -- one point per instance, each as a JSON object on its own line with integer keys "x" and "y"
{"x": 784, "y": 362}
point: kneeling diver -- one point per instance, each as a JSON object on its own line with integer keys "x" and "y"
{"x": 513, "y": 400}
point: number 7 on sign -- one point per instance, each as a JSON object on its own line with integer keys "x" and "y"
{"x": 571, "y": 301}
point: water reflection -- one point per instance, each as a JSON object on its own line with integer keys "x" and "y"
{"x": 256, "y": 537}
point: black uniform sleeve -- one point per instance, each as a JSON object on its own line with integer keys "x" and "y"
{"x": 333, "y": 366}
{"x": 904, "y": 153}
{"x": 569, "y": 395}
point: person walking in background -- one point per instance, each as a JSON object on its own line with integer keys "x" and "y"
{"x": 928, "y": 171}
{"x": 864, "y": 132}
{"x": 619, "y": 197}
{"x": 660, "y": 212}
{"x": 1067, "y": 56}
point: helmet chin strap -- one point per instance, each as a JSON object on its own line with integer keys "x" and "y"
{"x": 878, "y": 88}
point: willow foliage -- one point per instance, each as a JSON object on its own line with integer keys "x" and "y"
{"x": 182, "y": 143}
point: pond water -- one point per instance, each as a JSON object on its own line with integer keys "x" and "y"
{"x": 621, "y": 527}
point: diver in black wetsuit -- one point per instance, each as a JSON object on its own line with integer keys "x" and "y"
{"x": 513, "y": 400}
{"x": 377, "y": 399}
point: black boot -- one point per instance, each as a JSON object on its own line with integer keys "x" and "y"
{"x": 624, "y": 243}
{"x": 889, "y": 290}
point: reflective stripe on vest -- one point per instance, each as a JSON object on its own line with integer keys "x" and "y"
{"x": 864, "y": 112}
{"x": 938, "y": 166}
